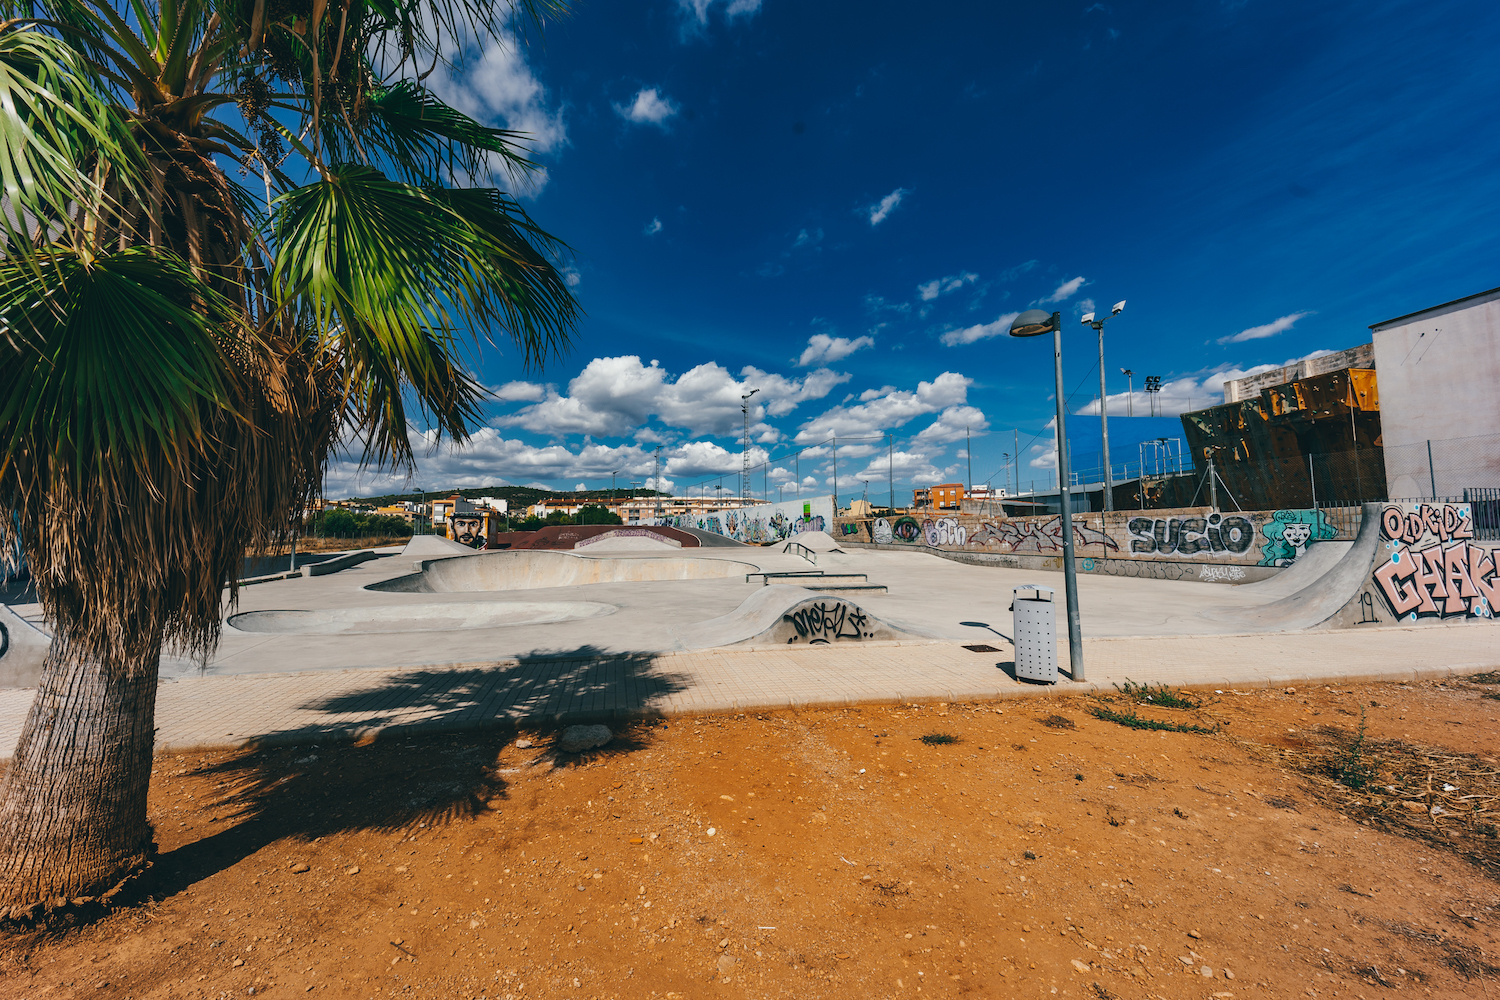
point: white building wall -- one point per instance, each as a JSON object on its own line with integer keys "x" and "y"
{"x": 1439, "y": 376}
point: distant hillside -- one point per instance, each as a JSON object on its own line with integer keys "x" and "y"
{"x": 514, "y": 496}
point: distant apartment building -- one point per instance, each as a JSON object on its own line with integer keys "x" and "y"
{"x": 946, "y": 496}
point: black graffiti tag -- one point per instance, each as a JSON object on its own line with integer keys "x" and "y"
{"x": 826, "y": 621}
{"x": 1189, "y": 535}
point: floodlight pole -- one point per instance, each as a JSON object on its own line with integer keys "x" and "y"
{"x": 1065, "y": 510}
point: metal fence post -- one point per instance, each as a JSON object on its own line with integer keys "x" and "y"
{"x": 1432, "y": 475}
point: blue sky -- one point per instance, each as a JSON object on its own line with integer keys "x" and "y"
{"x": 842, "y": 204}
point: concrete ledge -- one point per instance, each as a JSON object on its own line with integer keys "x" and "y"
{"x": 341, "y": 562}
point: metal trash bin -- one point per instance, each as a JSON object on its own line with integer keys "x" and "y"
{"x": 1035, "y": 633}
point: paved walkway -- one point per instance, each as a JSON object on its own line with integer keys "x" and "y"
{"x": 293, "y": 708}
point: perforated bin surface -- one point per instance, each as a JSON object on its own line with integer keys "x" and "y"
{"x": 1036, "y": 640}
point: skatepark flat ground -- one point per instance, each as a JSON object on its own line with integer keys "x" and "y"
{"x": 286, "y": 687}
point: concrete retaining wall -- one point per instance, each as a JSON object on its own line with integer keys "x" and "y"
{"x": 1195, "y": 542}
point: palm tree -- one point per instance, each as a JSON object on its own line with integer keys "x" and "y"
{"x": 238, "y": 234}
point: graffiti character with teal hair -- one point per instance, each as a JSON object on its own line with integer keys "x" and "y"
{"x": 1290, "y": 532}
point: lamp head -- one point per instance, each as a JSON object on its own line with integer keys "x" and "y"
{"x": 1117, "y": 308}
{"x": 1033, "y": 323}
{"x": 1086, "y": 318}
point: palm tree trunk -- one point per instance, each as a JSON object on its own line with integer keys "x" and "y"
{"x": 73, "y": 803}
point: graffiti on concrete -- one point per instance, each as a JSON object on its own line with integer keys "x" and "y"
{"x": 761, "y": 523}
{"x": 1035, "y": 536}
{"x": 828, "y": 621}
{"x": 944, "y": 531}
{"x": 880, "y": 531}
{"x": 1289, "y": 533}
{"x": 906, "y": 529}
{"x": 1216, "y": 534}
{"x": 1447, "y": 577}
{"x": 1217, "y": 574}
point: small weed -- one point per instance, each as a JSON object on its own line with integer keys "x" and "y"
{"x": 1356, "y": 771}
{"x": 1134, "y": 721}
{"x": 1112, "y": 820}
{"x": 1058, "y": 722}
{"x": 1160, "y": 695}
{"x": 1104, "y": 994}
{"x": 1281, "y": 802}
{"x": 939, "y": 739}
{"x": 1078, "y": 777}
{"x": 1179, "y": 813}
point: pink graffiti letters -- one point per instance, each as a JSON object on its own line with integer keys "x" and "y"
{"x": 1439, "y": 580}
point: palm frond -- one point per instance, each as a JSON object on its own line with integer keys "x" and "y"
{"x": 61, "y": 137}
{"x": 397, "y": 274}
{"x": 426, "y": 141}
{"x": 109, "y": 360}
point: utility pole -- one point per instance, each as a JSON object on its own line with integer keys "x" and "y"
{"x": 745, "y": 470}
{"x": 835, "y": 476}
{"x": 1017, "y": 454}
{"x": 890, "y": 468}
{"x": 1098, "y": 325}
{"x": 658, "y": 507}
{"x": 969, "y": 453}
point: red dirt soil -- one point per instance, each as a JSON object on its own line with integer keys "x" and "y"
{"x": 832, "y": 853}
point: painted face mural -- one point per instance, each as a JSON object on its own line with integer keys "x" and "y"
{"x": 468, "y": 529}
{"x": 1290, "y": 532}
{"x": 881, "y": 531}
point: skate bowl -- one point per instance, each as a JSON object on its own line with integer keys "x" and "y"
{"x": 417, "y": 617}
{"x": 782, "y": 615}
{"x": 538, "y": 569}
{"x": 628, "y": 540}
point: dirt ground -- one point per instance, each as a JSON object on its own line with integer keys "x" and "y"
{"x": 834, "y": 853}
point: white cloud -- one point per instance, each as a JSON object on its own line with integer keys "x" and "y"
{"x": 954, "y": 424}
{"x": 978, "y": 332}
{"x": 732, "y": 8}
{"x": 1066, "y": 290}
{"x": 887, "y": 410}
{"x": 1271, "y": 329}
{"x": 653, "y": 227}
{"x": 521, "y": 392}
{"x": 825, "y": 350}
{"x": 886, "y": 206}
{"x": 942, "y": 286}
{"x": 612, "y": 397}
{"x": 648, "y": 108}
{"x": 494, "y": 85}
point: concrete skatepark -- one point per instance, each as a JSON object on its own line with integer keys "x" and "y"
{"x": 632, "y": 625}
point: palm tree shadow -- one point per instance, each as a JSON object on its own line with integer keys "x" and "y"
{"x": 420, "y": 747}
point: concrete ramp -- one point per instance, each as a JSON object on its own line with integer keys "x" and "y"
{"x": 1322, "y": 595}
{"x": 434, "y": 547}
{"x": 781, "y": 615}
{"x": 818, "y": 541}
{"x": 536, "y": 569}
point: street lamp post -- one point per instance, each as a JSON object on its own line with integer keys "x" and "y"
{"x": 1034, "y": 323}
{"x": 1098, "y": 325}
{"x": 1129, "y": 391}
